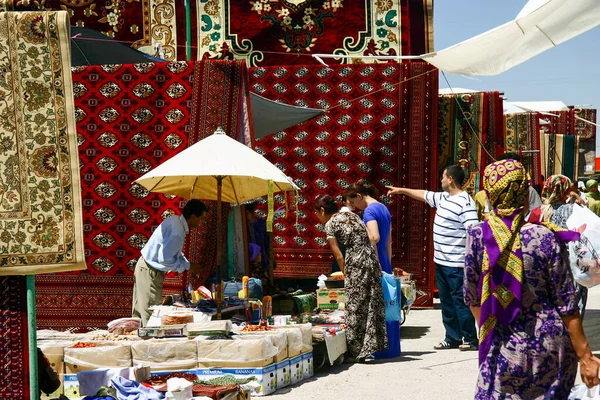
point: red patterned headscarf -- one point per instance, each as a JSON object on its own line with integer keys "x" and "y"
{"x": 507, "y": 185}
{"x": 556, "y": 189}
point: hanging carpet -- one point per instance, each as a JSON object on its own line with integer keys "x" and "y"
{"x": 14, "y": 349}
{"x": 255, "y": 30}
{"x": 468, "y": 121}
{"x": 386, "y": 137}
{"x": 130, "y": 118}
{"x": 138, "y": 23}
{"x": 523, "y": 135}
{"x": 40, "y": 202}
{"x": 560, "y": 155}
{"x": 220, "y": 99}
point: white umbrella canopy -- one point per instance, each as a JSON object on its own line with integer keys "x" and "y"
{"x": 193, "y": 173}
{"x": 217, "y": 168}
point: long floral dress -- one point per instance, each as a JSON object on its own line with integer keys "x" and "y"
{"x": 532, "y": 358}
{"x": 365, "y": 314}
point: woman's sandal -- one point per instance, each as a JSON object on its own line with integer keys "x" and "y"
{"x": 468, "y": 347}
{"x": 443, "y": 345}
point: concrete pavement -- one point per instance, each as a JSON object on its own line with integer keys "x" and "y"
{"x": 420, "y": 372}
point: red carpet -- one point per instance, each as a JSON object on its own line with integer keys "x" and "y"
{"x": 387, "y": 137}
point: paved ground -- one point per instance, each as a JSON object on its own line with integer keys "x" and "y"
{"x": 420, "y": 372}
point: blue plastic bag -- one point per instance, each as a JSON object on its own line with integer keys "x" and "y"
{"x": 391, "y": 297}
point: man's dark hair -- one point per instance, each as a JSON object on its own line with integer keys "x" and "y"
{"x": 457, "y": 173}
{"x": 194, "y": 207}
{"x": 510, "y": 155}
{"x": 327, "y": 203}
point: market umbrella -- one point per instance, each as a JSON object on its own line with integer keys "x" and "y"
{"x": 217, "y": 168}
{"x": 90, "y": 47}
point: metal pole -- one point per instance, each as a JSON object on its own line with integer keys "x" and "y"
{"x": 188, "y": 30}
{"x": 32, "y": 338}
{"x": 219, "y": 245}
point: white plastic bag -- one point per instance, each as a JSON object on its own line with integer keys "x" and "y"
{"x": 582, "y": 392}
{"x": 584, "y": 255}
{"x": 321, "y": 282}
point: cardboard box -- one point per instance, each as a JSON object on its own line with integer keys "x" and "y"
{"x": 307, "y": 365}
{"x": 278, "y": 337}
{"x": 305, "y": 338}
{"x": 100, "y": 356}
{"x": 165, "y": 354}
{"x": 329, "y": 299}
{"x": 71, "y": 387}
{"x": 284, "y": 374}
{"x": 250, "y": 353}
{"x": 266, "y": 377}
{"x": 296, "y": 369}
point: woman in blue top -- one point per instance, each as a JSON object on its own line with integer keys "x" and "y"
{"x": 376, "y": 217}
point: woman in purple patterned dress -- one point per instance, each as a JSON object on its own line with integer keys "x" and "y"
{"x": 521, "y": 291}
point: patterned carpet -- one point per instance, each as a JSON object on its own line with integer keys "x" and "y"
{"x": 14, "y": 379}
{"x": 368, "y": 138}
{"x": 40, "y": 209}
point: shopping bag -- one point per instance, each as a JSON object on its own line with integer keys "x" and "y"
{"x": 584, "y": 255}
{"x": 391, "y": 297}
{"x": 582, "y": 392}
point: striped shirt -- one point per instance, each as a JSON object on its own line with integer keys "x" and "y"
{"x": 453, "y": 215}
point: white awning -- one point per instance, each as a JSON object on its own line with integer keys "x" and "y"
{"x": 539, "y": 26}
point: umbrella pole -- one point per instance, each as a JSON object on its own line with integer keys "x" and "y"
{"x": 219, "y": 245}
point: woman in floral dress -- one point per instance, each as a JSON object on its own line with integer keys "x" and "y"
{"x": 365, "y": 314}
{"x": 555, "y": 209}
{"x": 521, "y": 291}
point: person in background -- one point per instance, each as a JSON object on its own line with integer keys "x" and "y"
{"x": 257, "y": 270}
{"x": 577, "y": 196}
{"x": 365, "y": 314}
{"x": 376, "y": 217}
{"x": 483, "y": 206}
{"x": 520, "y": 289}
{"x": 455, "y": 211}
{"x": 556, "y": 210}
{"x": 593, "y": 196}
{"x": 162, "y": 254}
{"x": 257, "y": 233}
{"x": 346, "y": 205}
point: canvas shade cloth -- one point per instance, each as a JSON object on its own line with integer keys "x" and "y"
{"x": 192, "y": 173}
{"x": 541, "y": 25}
{"x": 270, "y": 116}
{"x": 90, "y": 47}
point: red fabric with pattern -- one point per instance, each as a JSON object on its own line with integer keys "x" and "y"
{"x": 130, "y": 118}
{"x": 14, "y": 348}
{"x": 388, "y": 137}
{"x": 220, "y": 92}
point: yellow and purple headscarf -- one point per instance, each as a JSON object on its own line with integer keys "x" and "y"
{"x": 507, "y": 185}
{"x": 502, "y": 275}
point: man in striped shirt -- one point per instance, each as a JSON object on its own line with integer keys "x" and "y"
{"x": 455, "y": 211}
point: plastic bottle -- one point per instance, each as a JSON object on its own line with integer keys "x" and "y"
{"x": 245, "y": 286}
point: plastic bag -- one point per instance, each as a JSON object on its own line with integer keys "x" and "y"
{"x": 582, "y": 392}
{"x": 391, "y": 297}
{"x": 321, "y": 282}
{"x": 584, "y": 255}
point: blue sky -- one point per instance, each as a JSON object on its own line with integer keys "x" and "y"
{"x": 569, "y": 72}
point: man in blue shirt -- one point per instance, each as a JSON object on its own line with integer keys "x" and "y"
{"x": 162, "y": 254}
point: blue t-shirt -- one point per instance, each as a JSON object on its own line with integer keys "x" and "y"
{"x": 380, "y": 213}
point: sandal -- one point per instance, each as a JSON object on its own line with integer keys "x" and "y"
{"x": 443, "y": 345}
{"x": 468, "y": 347}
